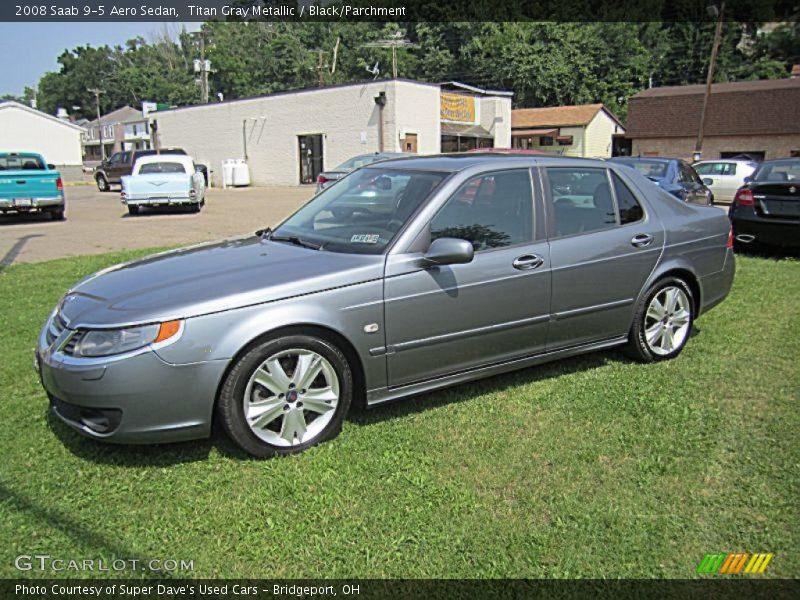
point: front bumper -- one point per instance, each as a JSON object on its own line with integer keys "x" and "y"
{"x": 132, "y": 398}
{"x": 30, "y": 204}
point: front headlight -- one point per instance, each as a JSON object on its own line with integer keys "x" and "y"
{"x": 105, "y": 342}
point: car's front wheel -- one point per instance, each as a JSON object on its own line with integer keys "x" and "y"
{"x": 662, "y": 322}
{"x": 133, "y": 209}
{"x": 285, "y": 395}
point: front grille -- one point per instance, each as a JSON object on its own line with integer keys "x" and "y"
{"x": 55, "y": 328}
{"x": 72, "y": 342}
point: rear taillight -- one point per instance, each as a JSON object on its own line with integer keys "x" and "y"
{"x": 322, "y": 180}
{"x": 59, "y": 185}
{"x": 729, "y": 244}
{"x": 744, "y": 197}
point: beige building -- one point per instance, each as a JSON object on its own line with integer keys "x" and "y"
{"x": 758, "y": 118}
{"x": 290, "y": 137}
{"x": 584, "y": 130}
{"x": 25, "y": 129}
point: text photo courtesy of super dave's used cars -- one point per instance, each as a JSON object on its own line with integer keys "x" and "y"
{"x": 406, "y": 276}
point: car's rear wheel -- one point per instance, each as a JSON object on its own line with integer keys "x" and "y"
{"x": 285, "y": 395}
{"x": 57, "y": 215}
{"x": 133, "y": 210}
{"x": 195, "y": 208}
{"x": 663, "y": 321}
{"x": 102, "y": 183}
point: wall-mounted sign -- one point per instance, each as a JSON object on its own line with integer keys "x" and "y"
{"x": 457, "y": 107}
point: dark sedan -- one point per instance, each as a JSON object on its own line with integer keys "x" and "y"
{"x": 766, "y": 209}
{"x": 673, "y": 175}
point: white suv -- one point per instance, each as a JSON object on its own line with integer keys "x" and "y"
{"x": 726, "y": 175}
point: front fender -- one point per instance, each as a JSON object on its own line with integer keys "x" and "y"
{"x": 345, "y": 311}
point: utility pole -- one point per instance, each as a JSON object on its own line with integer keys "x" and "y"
{"x": 712, "y": 63}
{"x": 395, "y": 41}
{"x": 335, "y": 54}
{"x": 203, "y": 67}
{"x": 97, "y": 93}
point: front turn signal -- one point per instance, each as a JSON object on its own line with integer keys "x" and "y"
{"x": 167, "y": 330}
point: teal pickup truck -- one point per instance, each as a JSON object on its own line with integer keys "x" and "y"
{"x": 29, "y": 185}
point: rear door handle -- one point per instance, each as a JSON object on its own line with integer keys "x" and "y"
{"x": 642, "y": 240}
{"x": 528, "y": 261}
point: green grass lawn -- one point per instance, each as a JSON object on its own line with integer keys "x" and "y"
{"x": 589, "y": 467}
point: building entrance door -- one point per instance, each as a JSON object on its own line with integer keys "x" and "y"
{"x": 310, "y": 157}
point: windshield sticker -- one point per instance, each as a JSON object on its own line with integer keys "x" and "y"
{"x": 365, "y": 238}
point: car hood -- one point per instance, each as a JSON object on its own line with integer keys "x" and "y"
{"x": 210, "y": 278}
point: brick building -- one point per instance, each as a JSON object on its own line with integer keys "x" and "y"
{"x": 757, "y": 118}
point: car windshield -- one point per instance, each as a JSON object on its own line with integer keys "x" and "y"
{"x": 8, "y": 163}
{"x": 358, "y": 161}
{"x": 162, "y": 167}
{"x": 648, "y": 168}
{"x": 363, "y": 212}
{"x": 784, "y": 170}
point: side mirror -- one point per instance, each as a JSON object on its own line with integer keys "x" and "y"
{"x": 51, "y": 166}
{"x": 198, "y": 169}
{"x": 449, "y": 251}
{"x": 748, "y": 179}
{"x": 708, "y": 181}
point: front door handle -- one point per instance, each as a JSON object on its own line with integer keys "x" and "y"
{"x": 528, "y": 261}
{"x": 642, "y": 240}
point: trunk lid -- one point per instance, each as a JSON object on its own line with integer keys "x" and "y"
{"x": 780, "y": 200}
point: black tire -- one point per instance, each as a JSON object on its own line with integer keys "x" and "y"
{"x": 102, "y": 183}
{"x": 133, "y": 210}
{"x": 57, "y": 215}
{"x": 230, "y": 405}
{"x": 637, "y": 347}
{"x": 195, "y": 208}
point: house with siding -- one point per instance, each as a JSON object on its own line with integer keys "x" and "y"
{"x": 25, "y": 129}
{"x": 757, "y": 118}
{"x": 585, "y": 130}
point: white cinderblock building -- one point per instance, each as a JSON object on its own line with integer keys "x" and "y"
{"x": 289, "y": 137}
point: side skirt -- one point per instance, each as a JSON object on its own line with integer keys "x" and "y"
{"x": 382, "y": 395}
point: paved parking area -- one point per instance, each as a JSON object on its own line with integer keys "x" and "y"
{"x": 97, "y": 223}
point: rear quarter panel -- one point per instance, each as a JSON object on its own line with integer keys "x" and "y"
{"x": 695, "y": 241}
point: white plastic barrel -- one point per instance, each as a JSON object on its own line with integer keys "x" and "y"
{"x": 241, "y": 173}
{"x": 227, "y": 172}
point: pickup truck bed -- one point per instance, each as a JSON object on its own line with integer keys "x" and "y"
{"x": 29, "y": 185}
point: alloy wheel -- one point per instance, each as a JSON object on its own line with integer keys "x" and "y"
{"x": 667, "y": 320}
{"x": 291, "y": 397}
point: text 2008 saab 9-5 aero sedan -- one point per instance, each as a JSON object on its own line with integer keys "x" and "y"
{"x": 486, "y": 264}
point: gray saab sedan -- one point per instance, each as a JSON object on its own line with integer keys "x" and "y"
{"x": 485, "y": 264}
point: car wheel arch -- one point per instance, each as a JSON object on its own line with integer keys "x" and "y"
{"x": 322, "y": 331}
{"x": 683, "y": 272}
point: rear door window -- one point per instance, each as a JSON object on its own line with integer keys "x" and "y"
{"x": 581, "y": 200}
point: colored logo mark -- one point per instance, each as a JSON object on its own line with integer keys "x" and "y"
{"x": 735, "y": 563}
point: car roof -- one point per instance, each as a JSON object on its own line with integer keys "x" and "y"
{"x": 652, "y": 159}
{"x": 155, "y": 158}
{"x": 459, "y": 162}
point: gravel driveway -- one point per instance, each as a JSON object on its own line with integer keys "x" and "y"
{"x": 97, "y": 223}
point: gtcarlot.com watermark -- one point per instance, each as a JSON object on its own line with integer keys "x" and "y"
{"x": 56, "y": 564}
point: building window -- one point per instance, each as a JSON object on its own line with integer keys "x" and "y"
{"x": 545, "y": 140}
{"x": 564, "y": 140}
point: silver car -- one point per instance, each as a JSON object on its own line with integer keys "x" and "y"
{"x": 481, "y": 268}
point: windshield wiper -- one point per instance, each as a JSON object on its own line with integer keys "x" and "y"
{"x": 297, "y": 241}
{"x": 263, "y": 232}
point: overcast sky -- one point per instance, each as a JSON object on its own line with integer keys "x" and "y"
{"x": 29, "y": 50}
